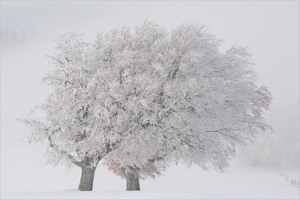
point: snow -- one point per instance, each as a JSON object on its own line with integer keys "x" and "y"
{"x": 240, "y": 182}
{"x": 256, "y": 194}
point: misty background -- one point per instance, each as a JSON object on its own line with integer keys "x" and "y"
{"x": 269, "y": 28}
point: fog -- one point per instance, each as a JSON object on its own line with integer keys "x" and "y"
{"x": 269, "y": 28}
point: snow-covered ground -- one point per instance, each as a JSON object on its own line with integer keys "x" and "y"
{"x": 240, "y": 182}
{"x": 256, "y": 194}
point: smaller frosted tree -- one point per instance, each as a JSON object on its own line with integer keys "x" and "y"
{"x": 70, "y": 123}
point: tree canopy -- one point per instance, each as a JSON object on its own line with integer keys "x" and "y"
{"x": 146, "y": 98}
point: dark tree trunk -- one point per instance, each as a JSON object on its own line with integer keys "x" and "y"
{"x": 132, "y": 181}
{"x": 87, "y": 173}
{"x": 87, "y": 178}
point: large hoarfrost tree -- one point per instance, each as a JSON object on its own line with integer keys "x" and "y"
{"x": 173, "y": 97}
{"x": 145, "y": 98}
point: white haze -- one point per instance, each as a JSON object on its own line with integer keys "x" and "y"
{"x": 269, "y": 29}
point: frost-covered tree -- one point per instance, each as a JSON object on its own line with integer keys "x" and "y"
{"x": 70, "y": 125}
{"x": 173, "y": 97}
{"x": 145, "y": 98}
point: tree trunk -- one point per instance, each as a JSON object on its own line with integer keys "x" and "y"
{"x": 132, "y": 181}
{"x": 87, "y": 178}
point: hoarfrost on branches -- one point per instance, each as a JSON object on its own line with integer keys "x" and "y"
{"x": 145, "y": 98}
{"x": 184, "y": 101}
